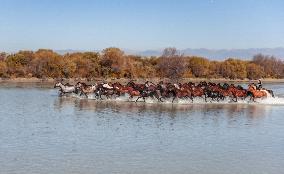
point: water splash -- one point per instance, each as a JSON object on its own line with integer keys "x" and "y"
{"x": 265, "y": 101}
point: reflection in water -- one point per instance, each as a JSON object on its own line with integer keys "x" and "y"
{"x": 43, "y": 133}
{"x": 232, "y": 111}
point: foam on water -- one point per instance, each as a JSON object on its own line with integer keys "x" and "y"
{"x": 265, "y": 101}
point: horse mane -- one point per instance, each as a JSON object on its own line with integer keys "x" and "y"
{"x": 68, "y": 84}
{"x": 131, "y": 83}
{"x": 83, "y": 84}
{"x": 240, "y": 87}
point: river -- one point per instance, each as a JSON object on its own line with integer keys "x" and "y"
{"x": 43, "y": 133}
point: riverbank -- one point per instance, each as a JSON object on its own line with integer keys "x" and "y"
{"x": 123, "y": 80}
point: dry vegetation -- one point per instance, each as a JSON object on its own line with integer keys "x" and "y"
{"x": 113, "y": 63}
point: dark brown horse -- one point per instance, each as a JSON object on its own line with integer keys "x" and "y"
{"x": 237, "y": 92}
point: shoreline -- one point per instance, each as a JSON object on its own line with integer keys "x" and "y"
{"x": 123, "y": 80}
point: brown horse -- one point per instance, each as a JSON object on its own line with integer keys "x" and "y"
{"x": 183, "y": 93}
{"x": 257, "y": 93}
{"x": 198, "y": 91}
{"x": 85, "y": 89}
{"x": 224, "y": 92}
{"x": 237, "y": 93}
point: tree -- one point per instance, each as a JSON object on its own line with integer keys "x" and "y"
{"x": 215, "y": 69}
{"x": 115, "y": 56}
{"x": 254, "y": 71}
{"x": 171, "y": 64}
{"x": 94, "y": 68}
{"x": 3, "y": 69}
{"x": 271, "y": 66}
{"x": 3, "y": 56}
{"x": 233, "y": 69}
{"x": 199, "y": 66}
{"x": 47, "y": 64}
{"x": 16, "y": 65}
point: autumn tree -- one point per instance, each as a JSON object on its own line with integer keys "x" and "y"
{"x": 171, "y": 64}
{"x": 215, "y": 69}
{"x": 3, "y": 69}
{"x": 271, "y": 66}
{"x": 47, "y": 64}
{"x": 199, "y": 66}
{"x": 254, "y": 71}
{"x": 233, "y": 69}
{"x": 18, "y": 64}
{"x": 3, "y": 56}
{"x": 112, "y": 61}
{"x": 69, "y": 67}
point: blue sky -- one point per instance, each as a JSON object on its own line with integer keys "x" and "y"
{"x": 140, "y": 24}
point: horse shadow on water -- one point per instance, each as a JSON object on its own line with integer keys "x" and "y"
{"x": 231, "y": 112}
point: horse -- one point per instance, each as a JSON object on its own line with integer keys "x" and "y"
{"x": 86, "y": 89}
{"x": 139, "y": 87}
{"x": 65, "y": 88}
{"x": 152, "y": 94}
{"x": 238, "y": 92}
{"x": 257, "y": 93}
{"x": 107, "y": 90}
{"x": 269, "y": 91}
{"x": 198, "y": 91}
{"x": 151, "y": 90}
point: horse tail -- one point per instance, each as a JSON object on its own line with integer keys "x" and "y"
{"x": 271, "y": 93}
{"x": 267, "y": 92}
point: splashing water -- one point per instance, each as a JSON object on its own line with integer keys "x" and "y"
{"x": 278, "y": 100}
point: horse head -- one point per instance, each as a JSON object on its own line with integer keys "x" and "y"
{"x": 130, "y": 84}
{"x": 251, "y": 87}
{"x": 58, "y": 84}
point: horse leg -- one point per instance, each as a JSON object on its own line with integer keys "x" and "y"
{"x": 236, "y": 99}
{"x": 137, "y": 99}
{"x": 173, "y": 99}
{"x": 157, "y": 96}
{"x": 161, "y": 98}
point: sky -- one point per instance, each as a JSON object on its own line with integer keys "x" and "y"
{"x": 140, "y": 24}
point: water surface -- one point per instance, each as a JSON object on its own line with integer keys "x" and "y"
{"x": 43, "y": 133}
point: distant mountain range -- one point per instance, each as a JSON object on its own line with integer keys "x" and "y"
{"x": 213, "y": 54}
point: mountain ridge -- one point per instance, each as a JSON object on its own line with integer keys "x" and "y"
{"x": 213, "y": 54}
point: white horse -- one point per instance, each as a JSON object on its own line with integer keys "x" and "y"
{"x": 107, "y": 86}
{"x": 65, "y": 89}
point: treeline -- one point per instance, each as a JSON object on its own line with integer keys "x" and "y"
{"x": 114, "y": 63}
